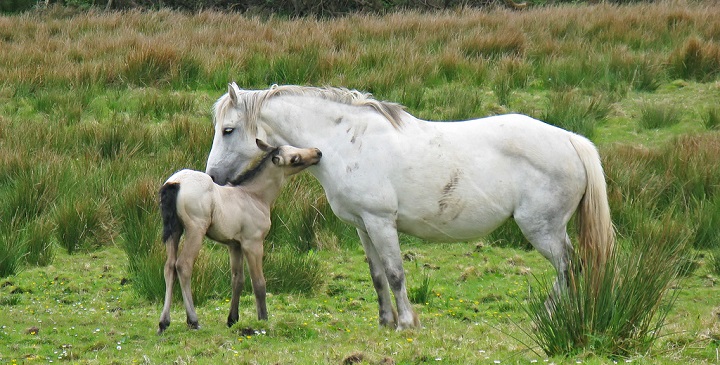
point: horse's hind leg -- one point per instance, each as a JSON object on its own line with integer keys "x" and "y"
{"x": 387, "y": 314}
{"x": 237, "y": 269}
{"x": 550, "y": 238}
{"x": 171, "y": 246}
{"x": 184, "y": 267}
{"x": 253, "y": 251}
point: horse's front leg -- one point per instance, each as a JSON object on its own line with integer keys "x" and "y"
{"x": 253, "y": 251}
{"x": 386, "y": 312}
{"x": 237, "y": 270}
{"x": 384, "y": 238}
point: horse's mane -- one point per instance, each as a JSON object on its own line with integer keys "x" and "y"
{"x": 251, "y": 102}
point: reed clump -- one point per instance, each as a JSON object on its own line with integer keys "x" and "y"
{"x": 615, "y": 310}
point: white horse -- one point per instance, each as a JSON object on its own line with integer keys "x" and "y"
{"x": 386, "y": 171}
{"x": 237, "y": 215}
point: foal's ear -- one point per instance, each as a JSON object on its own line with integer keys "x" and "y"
{"x": 263, "y": 146}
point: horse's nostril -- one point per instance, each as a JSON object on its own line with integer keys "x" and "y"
{"x": 213, "y": 178}
{"x": 319, "y": 153}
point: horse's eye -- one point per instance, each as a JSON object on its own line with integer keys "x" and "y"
{"x": 227, "y": 131}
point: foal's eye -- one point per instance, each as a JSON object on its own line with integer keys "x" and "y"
{"x": 227, "y": 131}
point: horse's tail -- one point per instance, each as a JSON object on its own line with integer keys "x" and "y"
{"x": 172, "y": 226}
{"x": 596, "y": 232}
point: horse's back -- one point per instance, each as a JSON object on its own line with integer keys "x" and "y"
{"x": 475, "y": 174}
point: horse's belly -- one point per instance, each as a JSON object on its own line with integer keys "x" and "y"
{"x": 462, "y": 227}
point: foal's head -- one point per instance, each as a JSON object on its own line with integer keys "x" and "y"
{"x": 290, "y": 159}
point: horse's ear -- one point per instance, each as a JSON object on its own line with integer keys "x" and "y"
{"x": 262, "y": 145}
{"x": 231, "y": 91}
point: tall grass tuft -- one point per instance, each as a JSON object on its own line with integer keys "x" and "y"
{"x": 714, "y": 261}
{"x": 711, "y": 118}
{"x": 160, "y": 64}
{"x": 12, "y": 251}
{"x": 613, "y": 310}
{"x": 655, "y": 116}
{"x": 696, "y": 60}
{"x": 489, "y": 45}
{"x": 141, "y": 229}
{"x": 38, "y": 241}
{"x": 575, "y": 112}
{"x": 303, "y": 214}
{"x": 512, "y": 73}
{"x": 83, "y": 224}
{"x": 288, "y": 270}
{"x": 422, "y": 293}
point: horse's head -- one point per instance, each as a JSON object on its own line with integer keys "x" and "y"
{"x": 233, "y": 145}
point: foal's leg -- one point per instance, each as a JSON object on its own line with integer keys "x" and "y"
{"x": 384, "y": 238}
{"x": 237, "y": 269}
{"x": 387, "y": 314}
{"x": 171, "y": 246}
{"x": 184, "y": 267}
{"x": 253, "y": 251}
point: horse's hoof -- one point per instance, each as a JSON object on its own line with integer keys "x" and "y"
{"x": 162, "y": 326}
{"x": 193, "y": 325}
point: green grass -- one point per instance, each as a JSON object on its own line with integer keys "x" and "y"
{"x": 474, "y": 319}
{"x": 105, "y": 106}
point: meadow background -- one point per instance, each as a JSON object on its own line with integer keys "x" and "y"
{"x": 98, "y": 108}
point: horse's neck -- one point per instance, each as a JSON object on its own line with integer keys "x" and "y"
{"x": 266, "y": 185}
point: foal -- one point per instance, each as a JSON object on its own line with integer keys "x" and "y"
{"x": 237, "y": 215}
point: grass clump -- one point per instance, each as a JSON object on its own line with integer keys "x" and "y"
{"x": 484, "y": 45}
{"x": 422, "y": 293}
{"x": 289, "y": 271}
{"x": 83, "y": 224}
{"x": 656, "y": 116}
{"x": 12, "y": 251}
{"x": 612, "y": 310}
{"x": 39, "y": 243}
{"x": 711, "y": 118}
{"x": 714, "y": 261}
{"x": 512, "y": 73}
{"x": 575, "y": 112}
{"x": 696, "y": 60}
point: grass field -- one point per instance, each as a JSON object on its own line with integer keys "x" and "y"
{"x": 98, "y": 109}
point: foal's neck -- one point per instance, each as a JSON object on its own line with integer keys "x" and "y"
{"x": 266, "y": 185}
{"x": 264, "y": 180}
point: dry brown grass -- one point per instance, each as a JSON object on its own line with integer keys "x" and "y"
{"x": 97, "y": 48}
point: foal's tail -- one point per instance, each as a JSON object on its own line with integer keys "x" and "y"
{"x": 172, "y": 226}
{"x": 597, "y": 235}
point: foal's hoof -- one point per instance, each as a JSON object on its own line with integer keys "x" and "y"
{"x": 193, "y": 325}
{"x": 231, "y": 322}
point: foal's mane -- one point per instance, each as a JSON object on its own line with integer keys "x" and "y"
{"x": 250, "y": 102}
